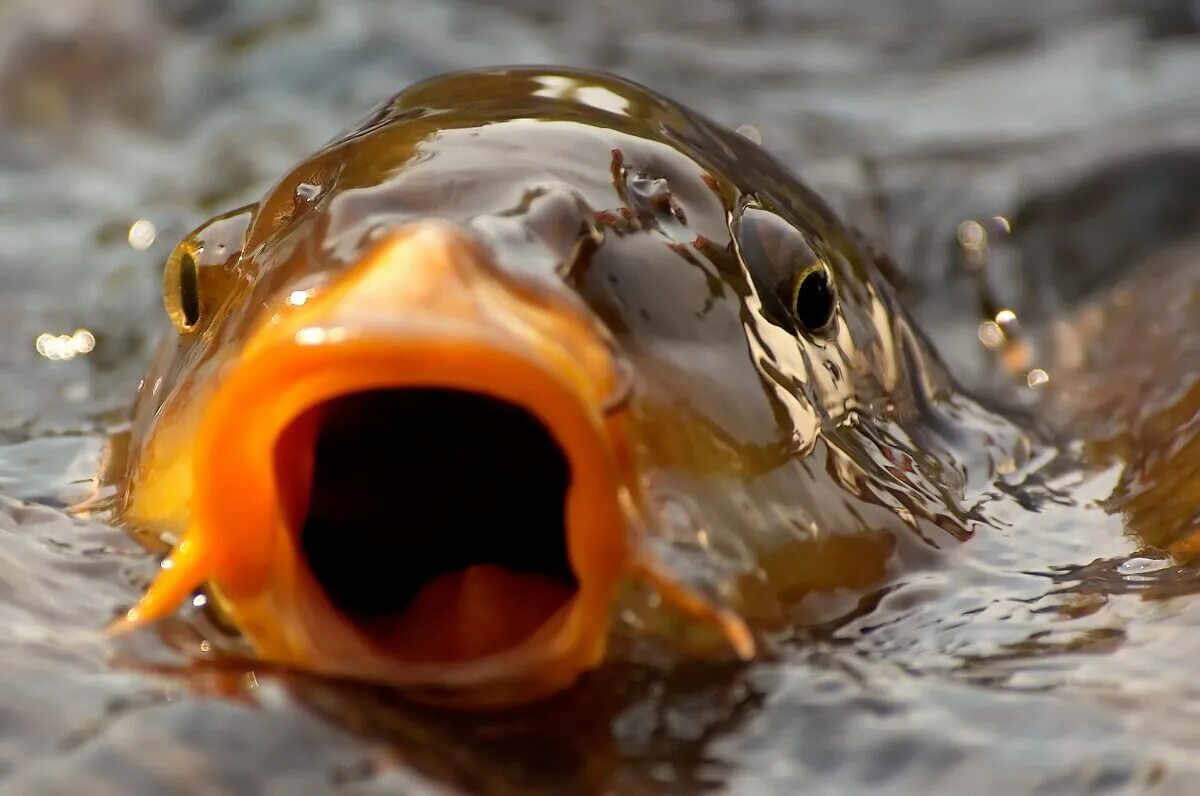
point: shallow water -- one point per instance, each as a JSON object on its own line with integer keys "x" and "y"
{"x": 1054, "y": 655}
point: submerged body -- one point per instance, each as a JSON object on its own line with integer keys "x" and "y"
{"x": 528, "y": 360}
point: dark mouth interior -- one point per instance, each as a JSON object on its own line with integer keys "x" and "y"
{"x": 413, "y": 483}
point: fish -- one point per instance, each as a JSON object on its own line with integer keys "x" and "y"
{"x": 532, "y": 364}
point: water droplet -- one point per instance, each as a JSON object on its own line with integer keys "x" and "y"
{"x": 750, "y": 133}
{"x": 83, "y": 341}
{"x": 972, "y": 236}
{"x": 1139, "y": 566}
{"x": 61, "y": 347}
{"x": 308, "y": 192}
{"x": 990, "y": 334}
{"x": 1037, "y": 378}
{"x": 142, "y": 234}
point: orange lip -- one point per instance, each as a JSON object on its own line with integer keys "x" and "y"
{"x": 423, "y": 321}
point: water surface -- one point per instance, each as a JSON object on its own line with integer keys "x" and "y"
{"x": 1027, "y": 156}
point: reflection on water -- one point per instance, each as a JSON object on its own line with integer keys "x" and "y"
{"x": 1057, "y": 272}
{"x": 65, "y": 346}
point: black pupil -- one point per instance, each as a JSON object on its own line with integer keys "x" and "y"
{"x": 189, "y": 290}
{"x": 814, "y": 301}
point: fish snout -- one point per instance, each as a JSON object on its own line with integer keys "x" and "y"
{"x": 412, "y": 476}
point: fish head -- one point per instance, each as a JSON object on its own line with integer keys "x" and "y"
{"x": 523, "y": 352}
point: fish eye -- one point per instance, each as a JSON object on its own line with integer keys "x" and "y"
{"x": 813, "y": 298}
{"x": 205, "y": 269}
{"x": 181, "y": 289}
{"x": 795, "y": 281}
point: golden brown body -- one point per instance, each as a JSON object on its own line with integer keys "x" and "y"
{"x": 734, "y": 396}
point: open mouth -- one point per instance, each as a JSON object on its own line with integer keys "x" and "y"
{"x": 435, "y": 519}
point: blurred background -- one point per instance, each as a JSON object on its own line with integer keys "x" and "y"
{"x": 910, "y": 117}
{"x": 1016, "y": 155}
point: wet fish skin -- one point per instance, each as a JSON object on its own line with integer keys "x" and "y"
{"x": 760, "y": 461}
